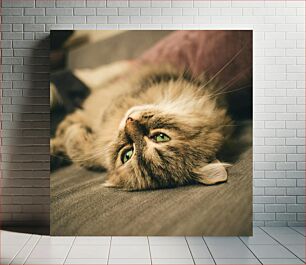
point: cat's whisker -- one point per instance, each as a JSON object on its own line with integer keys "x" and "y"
{"x": 234, "y": 90}
{"x": 88, "y": 158}
{"x": 232, "y": 81}
{"x": 224, "y": 66}
{"x": 227, "y": 85}
{"x": 67, "y": 159}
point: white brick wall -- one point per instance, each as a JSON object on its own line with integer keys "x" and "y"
{"x": 279, "y": 91}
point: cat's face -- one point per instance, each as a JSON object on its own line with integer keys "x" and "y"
{"x": 158, "y": 148}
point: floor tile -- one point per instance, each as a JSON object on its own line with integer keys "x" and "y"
{"x": 129, "y": 240}
{"x": 49, "y": 252}
{"x": 92, "y": 240}
{"x": 17, "y": 261}
{"x": 90, "y": 252}
{"x": 257, "y": 230}
{"x": 259, "y": 239}
{"x": 45, "y": 261}
{"x": 33, "y": 240}
{"x": 195, "y": 240}
{"x": 279, "y": 230}
{"x": 290, "y": 239}
{"x": 217, "y": 241}
{"x": 230, "y": 252}
{"x": 237, "y": 261}
{"x": 170, "y": 252}
{"x": 167, "y": 240}
{"x": 56, "y": 240}
{"x": 23, "y": 254}
{"x": 4, "y": 261}
{"x": 9, "y": 251}
{"x": 129, "y": 252}
{"x": 172, "y": 261}
{"x": 12, "y": 238}
{"x": 129, "y": 261}
{"x": 204, "y": 261}
{"x": 164, "y": 250}
{"x": 271, "y": 251}
{"x": 299, "y": 229}
{"x": 86, "y": 261}
{"x": 298, "y": 250}
{"x": 281, "y": 261}
{"x": 199, "y": 251}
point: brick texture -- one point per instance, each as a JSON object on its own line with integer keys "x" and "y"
{"x": 279, "y": 92}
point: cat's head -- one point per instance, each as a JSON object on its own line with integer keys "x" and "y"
{"x": 167, "y": 145}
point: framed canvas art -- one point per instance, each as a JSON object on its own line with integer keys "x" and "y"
{"x": 151, "y": 133}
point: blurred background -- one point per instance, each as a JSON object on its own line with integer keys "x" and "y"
{"x": 71, "y": 50}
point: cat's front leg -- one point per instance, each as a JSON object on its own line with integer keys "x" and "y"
{"x": 80, "y": 148}
{"x": 76, "y": 117}
{"x": 58, "y": 144}
{"x": 74, "y": 139}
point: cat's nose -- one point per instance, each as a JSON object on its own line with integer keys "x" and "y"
{"x": 129, "y": 120}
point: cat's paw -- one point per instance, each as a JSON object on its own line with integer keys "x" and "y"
{"x": 58, "y": 156}
{"x": 74, "y": 118}
{"x": 77, "y": 135}
{"x": 56, "y": 147}
{"x": 79, "y": 142}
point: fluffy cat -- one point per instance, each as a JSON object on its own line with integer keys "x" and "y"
{"x": 160, "y": 128}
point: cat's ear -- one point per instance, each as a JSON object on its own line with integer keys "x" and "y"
{"x": 213, "y": 173}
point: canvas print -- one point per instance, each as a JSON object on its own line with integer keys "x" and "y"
{"x": 151, "y": 133}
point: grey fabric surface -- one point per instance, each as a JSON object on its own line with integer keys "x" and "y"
{"x": 80, "y": 205}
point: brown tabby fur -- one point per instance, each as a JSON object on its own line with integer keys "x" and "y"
{"x": 160, "y": 99}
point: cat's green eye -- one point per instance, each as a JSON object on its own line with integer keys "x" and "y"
{"x": 161, "y": 137}
{"x": 127, "y": 155}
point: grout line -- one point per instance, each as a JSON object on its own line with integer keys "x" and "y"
{"x": 250, "y": 250}
{"x": 209, "y": 250}
{"x": 27, "y": 257}
{"x": 149, "y": 250}
{"x": 69, "y": 249}
{"x": 20, "y": 249}
{"x": 190, "y": 250}
{"x": 296, "y": 231}
{"x": 281, "y": 244}
{"x": 110, "y": 245}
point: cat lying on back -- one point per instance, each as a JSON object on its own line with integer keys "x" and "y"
{"x": 158, "y": 129}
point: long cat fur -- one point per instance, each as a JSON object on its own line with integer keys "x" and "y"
{"x": 189, "y": 110}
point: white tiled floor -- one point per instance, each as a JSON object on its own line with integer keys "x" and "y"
{"x": 269, "y": 245}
